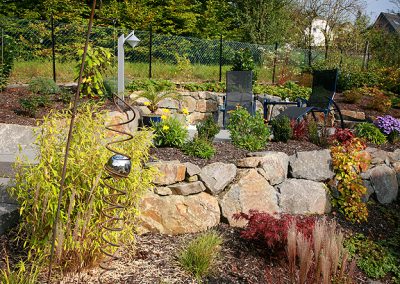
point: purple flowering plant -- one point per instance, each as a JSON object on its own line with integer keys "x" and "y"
{"x": 388, "y": 124}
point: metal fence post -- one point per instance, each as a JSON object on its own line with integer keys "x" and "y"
{"x": 274, "y": 67}
{"x": 53, "y": 43}
{"x": 150, "y": 50}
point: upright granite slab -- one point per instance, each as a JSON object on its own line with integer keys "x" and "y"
{"x": 311, "y": 165}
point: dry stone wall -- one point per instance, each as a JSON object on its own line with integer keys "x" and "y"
{"x": 187, "y": 198}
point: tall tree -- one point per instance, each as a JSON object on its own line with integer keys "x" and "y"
{"x": 336, "y": 12}
{"x": 264, "y": 21}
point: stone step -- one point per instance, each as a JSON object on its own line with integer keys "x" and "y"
{"x": 4, "y": 196}
{"x": 8, "y": 216}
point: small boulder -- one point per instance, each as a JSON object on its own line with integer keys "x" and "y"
{"x": 384, "y": 182}
{"x": 311, "y": 165}
{"x": 250, "y": 192}
{"x": 177, "y": 214}
{"x": 217, "y": 176}
{"x": 170, "y": 172}
{"x": 184, "y": 188}
{"x": 300, "y": 196}
{"x": 275, "y": 167}
{"x": 163, "y": 190}
{"x": 192, "y": 169}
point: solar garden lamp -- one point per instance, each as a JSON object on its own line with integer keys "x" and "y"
{"x": 133, "y": 41}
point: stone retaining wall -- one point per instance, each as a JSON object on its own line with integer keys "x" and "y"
{"x": 187, "y": 198}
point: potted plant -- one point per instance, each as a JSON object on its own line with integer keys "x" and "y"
{"x": 153, "y": 96}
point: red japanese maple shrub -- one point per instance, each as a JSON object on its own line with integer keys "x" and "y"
{"x": 272, "y": 229}
{"x": 299, "y": 129}
{"x": 342, "y": 136}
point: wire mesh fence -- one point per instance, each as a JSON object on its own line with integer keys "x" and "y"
{"x": 32, "y": 40}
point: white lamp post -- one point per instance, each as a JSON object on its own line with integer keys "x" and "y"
{"x": 133, "y": 41}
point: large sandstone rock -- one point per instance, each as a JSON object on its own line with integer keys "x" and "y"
{"x": 353, "y": 115}
{"x": 311, "y": 165}
{"x": 275, "y": 167}
{"x": 189, "y": 103}
{"x": 177, "y": 214}
{"x": 384, "y": 182}
{"x": 396, "y": 167}
{"x": 300, "y": 196}
{"x": 116, "y": 117}
{"x": 217, "y": 176}
{"x": 185, "y": 188}
{"x": 251, "y": 191}
{"x": 170, "y": 172}
{"x": 192, "y": 169}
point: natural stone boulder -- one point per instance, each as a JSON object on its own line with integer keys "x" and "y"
{"x": 394, "y": 156}
{"x": 217, "y": 176}
{"x": 251, "y": 191}
{"x": 177, "y": 214}
{"x": 396, "y": 167}
{"x": 116, "y": 117}
{"x": 384, "y": 182}
{"x": 189, "y": 103}
{"x": 192, "y": 169}
{"x": 353, "y": 115}
{"x": 369, "y": 192}
{"x": 275, "y": 167}
{"x": 249, "y": 162}
{"x": 187, "y": 188}
{"x": 300, "y": 196}
{"x": 311, "y": 165}
{"x": 163, "y": 190}
{"x": 170, "y": 172}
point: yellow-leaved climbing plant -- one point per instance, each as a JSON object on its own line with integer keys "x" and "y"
{"x": 348, "y": 162}
{"x": 37, "y": 187}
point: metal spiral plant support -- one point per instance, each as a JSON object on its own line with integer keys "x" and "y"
{"x": 118, "y": 166}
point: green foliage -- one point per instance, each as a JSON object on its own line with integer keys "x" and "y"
{"x": 281, "y": 129}
{"x": 43, "y": 86}
{"x": 374, "y": 259}
{"x": 243, "y": 61}
{"x": 207, "y": 86}
{"x": 348, "y": 163}
{"x": 289, "y": 90}
{"x": 146, "y": 84}
{"x": 248, "y": 132}
{"x": 21, "y": 274}
{"x": 314, "y": 135}
{"x": 200, "y": 148}
{"x": 31, "y": 104}
{"x": 170, "y": 132}
{"x": 370, "y": 132}
{"x": 97, "y": 62}
{"x": 200, "y": 255}
{"x": 7, "y": 61}
{"x": 110, "y": 87}
{"x": 207, "y": 129}
{"x": 154, "y": 95}
{"x": 37, "y": 188}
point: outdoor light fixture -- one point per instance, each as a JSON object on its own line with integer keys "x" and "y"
{"x": 133, "y": 41}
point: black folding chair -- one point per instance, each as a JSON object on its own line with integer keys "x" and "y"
{"x": 321, "y": 98}
{"x": 239, "y": 92}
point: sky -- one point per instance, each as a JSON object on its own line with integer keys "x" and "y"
{"x": 374, "y": 7}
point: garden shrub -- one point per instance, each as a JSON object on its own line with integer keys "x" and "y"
{"x": 370, "y": 132}
{"x": 243, "y": 61}
{"x": 31, "y": 104}
{"x": 43, "y": 86}
{"x": 374, "y": 259}
{"x": 352, "y": 96}
{"x": 145, "y": 84}
{"x": 200, "y": 255}
{"x": 97, "y": 63}
{"x": 272, "y": 229}
{"x": 169, "y": 132}
{"x": 342, "y": 135}
{"x": 281, "y": 129}
{"x": 290, "y": 91}
{"x": 316, "y": 134}
{"x": 348, "y": 163}
{"x": 205, "y": 86}
{"x": 299, "y": 129}
{"x": 200, "y": 148}
{"x": 207, "y": 129}
{"x": 355, "y": 79}
{"x": 37, "y": 187}
{"x": 248, "y": 132}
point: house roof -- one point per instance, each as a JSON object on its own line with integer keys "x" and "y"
{"x": 388, "y": 21}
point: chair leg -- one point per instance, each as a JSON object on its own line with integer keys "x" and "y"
{"x": 340, "y": 114}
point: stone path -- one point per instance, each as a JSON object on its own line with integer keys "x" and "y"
{"x": 11, "y": 136}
